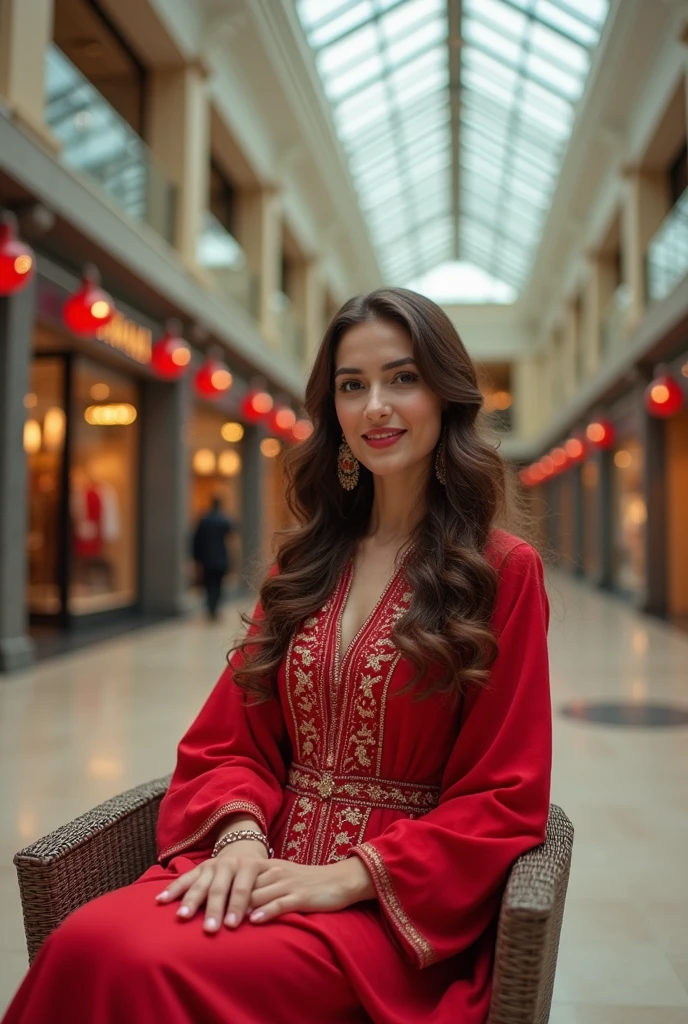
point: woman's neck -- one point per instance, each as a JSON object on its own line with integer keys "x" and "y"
{"x": 398, "y": 506}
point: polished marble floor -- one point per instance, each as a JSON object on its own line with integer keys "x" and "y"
{"x": 76, "y": 730}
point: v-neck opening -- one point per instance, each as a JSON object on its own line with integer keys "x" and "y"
{"x": 342, "y": 655}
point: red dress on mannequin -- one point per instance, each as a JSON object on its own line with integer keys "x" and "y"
{"x": 437, "y": 802}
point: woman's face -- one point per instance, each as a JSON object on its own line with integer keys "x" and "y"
{"x": 388, "y": 414}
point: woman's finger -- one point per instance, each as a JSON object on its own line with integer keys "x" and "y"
{"x": 259, "y": 897}
{"x": 240, "y": 894}
{"x": 216, "y": 901}
{"x": 275, "y": 908}
{"x": 178, "y": 886}
{"x": 196, "y": 895}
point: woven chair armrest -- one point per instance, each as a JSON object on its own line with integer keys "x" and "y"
{"x": 529, "y": 927}
{"x": 104, "y": 849}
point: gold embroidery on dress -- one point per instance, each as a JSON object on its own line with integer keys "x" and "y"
{"x": 388, "y": 898}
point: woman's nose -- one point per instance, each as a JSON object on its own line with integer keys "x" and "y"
{"x": 377, "y": 404}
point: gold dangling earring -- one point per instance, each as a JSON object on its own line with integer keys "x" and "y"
{"x": 348, "y": 466}
{"x": 441, "y": 459}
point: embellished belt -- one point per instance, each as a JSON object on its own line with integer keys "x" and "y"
{"x": 364, "y": 791}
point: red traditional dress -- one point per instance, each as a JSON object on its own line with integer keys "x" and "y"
{"x": 437, "y": 801}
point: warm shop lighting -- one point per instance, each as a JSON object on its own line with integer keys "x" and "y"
{"x": 302, "y": 430}
{"x": 270, "y": 447}
{"x": 99, "y": 392}
{"x": 32, "y": 437}
{"x": 501, "y": 400}
{"x": 623, "y": 459}
{"x": 54, "y": 426}
{"x": 204, "y": 462}
{"x": 120, "y": 414}
{"x": 229, "y": 463}
{"x": 30, "y": 400}
{"x": 232, "y": 432}
{"x": 221, "y": 380}
{"x": 636, "y": 513}
{"x": 100, "y": 309}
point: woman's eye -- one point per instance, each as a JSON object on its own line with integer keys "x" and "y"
{"x": 349, "y": 385}
{"x": 408, "y": 377}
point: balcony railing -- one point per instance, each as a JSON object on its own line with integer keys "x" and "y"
{"x": 615, "y": 320}
{"x": 667, "y": 255}
{"x": 99, "y": 143}
{"x": 220, "y": 253}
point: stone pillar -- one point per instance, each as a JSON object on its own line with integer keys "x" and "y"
{"x": 179, "y": 136}
{"x": 528, "y": 395}
{"x": 309, "y": 305}
{"x": 645, "y": 206}
{"x": 259, "y": 232}
{"x": 164, "y": 477}
{"x": 591, "y": 317}
{"x": 16, "y": 344}
{"x": 569, "y": 350}
{"x": 253, "y": 504}
{"x": 26, "y": 30}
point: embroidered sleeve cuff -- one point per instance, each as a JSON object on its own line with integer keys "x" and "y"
{"x": 402, "y": 924}
{"x": 234, "y": 807}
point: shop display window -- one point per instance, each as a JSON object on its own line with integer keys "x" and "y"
{"x": 44, "y": 442}
{"x": 590, "y": 476}
{"x": 103, "y": 488}
{"x": 566, "y": 547}
{"x": 630, "y": 517}
{"x": 216, "y": 451}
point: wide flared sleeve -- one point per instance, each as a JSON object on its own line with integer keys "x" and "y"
{"x": 439, "y": 878}
{"x": 231, "y": 760}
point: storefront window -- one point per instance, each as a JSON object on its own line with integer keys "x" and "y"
{"x": 216, "y": 472}
{"x": 630, "y": 516}
{"x": 44, "y": 442}
{"x": 103, "y": 478}
{"x": 565, "y": 520}
{"x": 590, "y": 475}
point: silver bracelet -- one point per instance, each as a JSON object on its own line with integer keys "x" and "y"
{"x": 237, "y": 836}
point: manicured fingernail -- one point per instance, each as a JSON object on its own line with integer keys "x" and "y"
{"x": 163, "y": 895}
{"x": 231, "y": 920}
{"x": 257, "y": 915}
{"x": 211, "y": 923}
{"x": 184, "y": 911}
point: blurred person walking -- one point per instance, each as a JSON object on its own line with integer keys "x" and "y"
{"x": 211, "y": 554}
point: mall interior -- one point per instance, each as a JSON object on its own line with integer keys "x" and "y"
{"x": 190, "y": 190}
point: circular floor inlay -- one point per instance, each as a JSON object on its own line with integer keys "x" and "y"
{"x": 643, "y": 716}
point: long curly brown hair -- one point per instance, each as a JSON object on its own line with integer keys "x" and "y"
{"x": 447, "y": 627}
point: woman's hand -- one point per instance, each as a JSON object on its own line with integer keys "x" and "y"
{"x": 223, "y": 883}
{"x": 282, "y": 887}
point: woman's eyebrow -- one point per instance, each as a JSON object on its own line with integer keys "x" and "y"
{"x": 387, "y": 366}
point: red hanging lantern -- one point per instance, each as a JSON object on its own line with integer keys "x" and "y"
{"x": 302, "y": 430}
{"x": 546, "y": 467}
{"x": 90, "y": 308}
{"x": 560, "y": 459}
{"x": 256, "y": 405}
{"x": 213, "y": 379}
{"x": 525, "y": 477}
{"x": 281, "y": 420}
{"x": 601, "y": 434}
{"x": 664, "y": 397}
{"x": 17, "y": 260}
{"x": 575, "y": 450}
{"x": 171, "y": 355}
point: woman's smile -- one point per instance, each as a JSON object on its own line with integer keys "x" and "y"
{"x": 382, "y": 437}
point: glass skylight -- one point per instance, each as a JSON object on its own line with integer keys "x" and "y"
{"x": 385, "y": 68}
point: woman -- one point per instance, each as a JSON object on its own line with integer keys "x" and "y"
{"x": 385, "y": 726}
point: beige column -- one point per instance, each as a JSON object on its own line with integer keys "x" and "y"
{"x": 179, "y": 136}
{"x": 259, "y": 232}
{"x": 645, "y": 206}
{"x": 26, "y": 31}
{"x": 591, "y": 316}
{"x": 569, "y": 351}
{"x": 309, "y": 305}
{"x": 530, "y": 396}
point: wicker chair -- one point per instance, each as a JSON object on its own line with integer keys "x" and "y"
{"x": 114, "y": 843}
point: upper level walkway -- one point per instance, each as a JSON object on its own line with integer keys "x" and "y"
{"x": 83, "y": 727}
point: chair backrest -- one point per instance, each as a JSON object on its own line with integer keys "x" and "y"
{"x": 529, "y": 927}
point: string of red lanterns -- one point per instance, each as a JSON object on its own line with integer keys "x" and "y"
{"x": 599, "y": 434}
{"x": 664, "y": 397}
{"x": 89, "y": 308}
{"x": 213, "y": 379}
{"x": 17, "y": 260}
